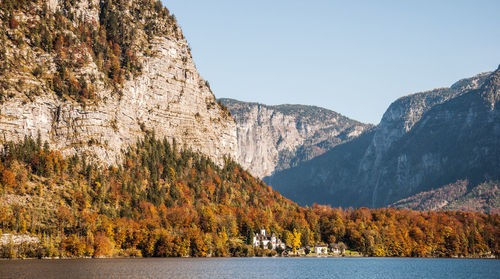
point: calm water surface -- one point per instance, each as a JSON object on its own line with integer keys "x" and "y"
{"x": 252, "y": 268}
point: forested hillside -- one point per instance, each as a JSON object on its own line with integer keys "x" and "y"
{"x": 163, "y": 202}
{"x": 484, "y": 197}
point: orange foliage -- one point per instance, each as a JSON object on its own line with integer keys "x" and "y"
{"x": 103, "y": 245}
{"x": 8, "y": 178}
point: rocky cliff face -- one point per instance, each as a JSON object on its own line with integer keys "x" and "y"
{"x": 424, "y": 141}
{"x": 166, "y": 95}
{"x": 273, "y": 138}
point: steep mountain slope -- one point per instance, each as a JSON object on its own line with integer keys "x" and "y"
{"x": 92, "y": 76}
{"x": 273, "y": 138}
{"x": 424, "y": 141}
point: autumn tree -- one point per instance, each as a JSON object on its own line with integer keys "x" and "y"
{"x": 295, "y": 240}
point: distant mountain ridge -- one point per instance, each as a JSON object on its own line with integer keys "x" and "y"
{"x": 424, "y": 141}
{"x": 273, "y": 138}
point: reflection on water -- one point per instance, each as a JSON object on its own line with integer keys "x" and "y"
{"x": 252, "y": 268}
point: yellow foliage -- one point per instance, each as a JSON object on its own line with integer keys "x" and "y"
{"x": 172, "y": 174}
{"x": 296, "y": 240}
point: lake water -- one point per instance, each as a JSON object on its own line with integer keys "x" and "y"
{"x": 252, "y": 268}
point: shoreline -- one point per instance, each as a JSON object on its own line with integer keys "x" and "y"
{"x": 301, "y": 257}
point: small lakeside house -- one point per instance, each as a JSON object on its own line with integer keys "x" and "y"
{"x": 320, "y": 250}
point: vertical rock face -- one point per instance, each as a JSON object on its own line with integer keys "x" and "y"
{"x": 168, "y": 97}
{"x": 424, "y": 141}
{"x": 273, "y": 138}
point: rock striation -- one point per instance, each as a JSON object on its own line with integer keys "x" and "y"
{"x": 168, "y": 97}
{"x": 273, "y": 138}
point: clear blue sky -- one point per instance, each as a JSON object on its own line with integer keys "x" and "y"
{"x": 354, "y": 57}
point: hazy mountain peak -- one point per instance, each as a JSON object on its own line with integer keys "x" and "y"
{"x": 272, "y": 138}
{"x": 424, "y": 141}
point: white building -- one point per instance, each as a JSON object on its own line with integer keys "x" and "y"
{"x": 262, "y": 238}
{"x": 320, "y": 249}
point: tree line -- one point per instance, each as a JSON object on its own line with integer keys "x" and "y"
{"x": 167, "y": 201}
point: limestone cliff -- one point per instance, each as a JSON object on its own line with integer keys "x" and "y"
{"x": 97, "y": 75}
{"x": 273, "y": 138}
